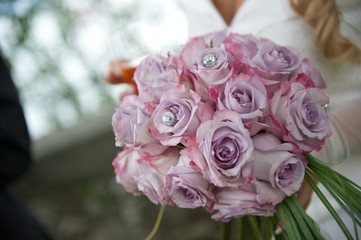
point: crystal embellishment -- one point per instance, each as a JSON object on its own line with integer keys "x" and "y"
{"x": 168, "y": 119}
{"x": 209, "y": 60}
{"x": 325, "y": 107}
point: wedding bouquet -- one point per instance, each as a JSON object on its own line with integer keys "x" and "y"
{"x": 228, "y": 125}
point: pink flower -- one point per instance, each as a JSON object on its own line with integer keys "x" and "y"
{"x": 193, "y": 48}
{"x": 152, "y": 172}
{"x": 140, "y": 172}
{"x": 277, "y": 171}
{"x": 301, "y": 112}
{"x": 227, "y": 149}
{"x": 187, "y": 188}
{"x": 239, "y": 202}
{"x": 212, "y": 66}
{"x": 205, "y": 62}
{"x": 240, "y": 48}
{"x": 126, "y": 166}
{"x": 275, "y": 63}
{"x": 155, "y": 72}
{"x": 130, "y": 123}
{"x": 176, "y": 116}
{"x": 247, "y": 96}
{"x": 312, "y": 73}
{"x": 151, "y": 183}
{"x": 241, "y": 45}
{"x": 223, "y": 126}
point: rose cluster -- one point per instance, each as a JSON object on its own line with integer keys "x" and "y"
{"x": 224, "y": 126}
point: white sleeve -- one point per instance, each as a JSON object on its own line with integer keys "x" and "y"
{"x": 346, "y": 137}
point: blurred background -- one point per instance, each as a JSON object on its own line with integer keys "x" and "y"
{"x": 59, "y": 51}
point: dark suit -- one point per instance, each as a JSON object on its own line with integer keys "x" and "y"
{"x": 15, "y": 221}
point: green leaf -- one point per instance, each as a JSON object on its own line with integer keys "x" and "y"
{"x": 343, "y": 190}
{"x": 240, "y": 229}
{"x": 211, "y": 43}
{"x": 328, "y": 206}
{"x": 308, "y": 227}
{"x": 297, "y": 224}
{"x": 255, "y": 228}
{"x": 267, "y": 227}
{"x": 289, "y": 223}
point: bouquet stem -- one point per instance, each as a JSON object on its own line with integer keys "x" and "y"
{"x": 157, "y": 223}
{"x": 249, "y": 228}
{"x": 226, "y": 230}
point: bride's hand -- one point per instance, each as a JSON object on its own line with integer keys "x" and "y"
{"x": 305, "y": 193}
{"x": 121, "y": 72}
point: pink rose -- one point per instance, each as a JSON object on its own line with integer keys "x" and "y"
{"x": 301, "y": 112}
{"x": 212, "y": 66}
{"x": 141, "y": 172}
{"x": 241, "y": 49}
{"x": 152, "y": 172}
{"x": 277, "y": 171}
{"x": 227, "y": 149}
{"x": 245, "y": 95}
{"x": 312, "y": 73}
{"x": 193, "y": 48}
{"x": 151, "y": 184}
{"x": 155, "y": 72}
{"x": 275, "y": 63}
{"x": 205, "y": 62}
{"x": 176, "y": 116}
{"x": 126, "y": 168}
{"x": 241, "y": 45}
{"x": 187, "y": 188}
{"x": 130, "y": 123}
{"x": 239, "y": 202}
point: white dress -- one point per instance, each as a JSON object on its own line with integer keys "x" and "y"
{"x": 275, "y": 20}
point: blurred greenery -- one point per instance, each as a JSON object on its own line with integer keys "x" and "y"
{"x": 59, "y": 50}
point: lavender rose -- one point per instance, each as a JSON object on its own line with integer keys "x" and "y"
{"x": 275, "y": 63}
{"x": 151, "y": 184}
{"x": 227, "y": 149}
{"x": 245, "y": 95}
{"x": 126, "y": 168}
{"x": 187, "y": 188}
{"x": 155, "y": 72}
{"x": 205, "y": 62}
{"x": 241, "y": 49}
{"x": 152, "y": 172}
{"x": 238, "y": 202}
{"x": 141, "y": 172}
{"x": 212, "y": 66}
{"x": 241, "y": 46}
{"x": 196, "y": 45}
{"x": 130, "y": 123}
{"x": 176, "y": 116}
{"x": 277, "y": 171}
{"x": 300, "y": 110}
{"x": 312, "y": 73}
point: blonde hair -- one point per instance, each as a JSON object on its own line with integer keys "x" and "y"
{"x": 325, "y": 17}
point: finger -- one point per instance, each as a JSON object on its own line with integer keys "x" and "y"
{"x": 305, "y": 193}
{"x": 120, "y": 71}
{"x": 114, "y": 78}
{"x": 128, "y": 90}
